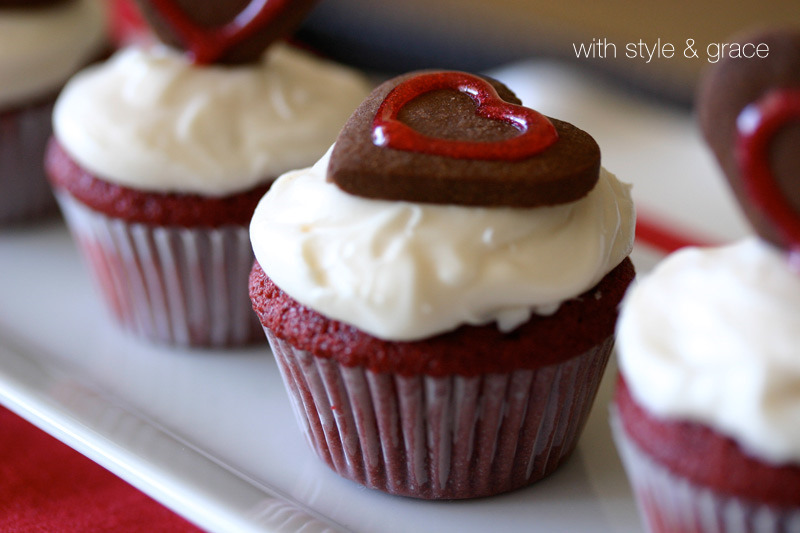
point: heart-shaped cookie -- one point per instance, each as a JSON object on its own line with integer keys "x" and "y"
{"x": 536, "y": 132}
{"x": 758, "y": 127}
{"x": 453, "y": 138}
{"x": 223, "y": 31}
{"x": 749, "y": 111}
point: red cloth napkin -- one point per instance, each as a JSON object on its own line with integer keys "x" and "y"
{"x": 46, "y": 486}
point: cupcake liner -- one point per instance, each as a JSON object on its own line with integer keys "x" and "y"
{"x": 24, "y": 190}
{"x": 440, "y": 437}
{"x": 670, "y": 503}
{"x": 182, "y": 286}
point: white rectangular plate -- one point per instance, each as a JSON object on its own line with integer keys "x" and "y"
{"x": 211, "y": 434}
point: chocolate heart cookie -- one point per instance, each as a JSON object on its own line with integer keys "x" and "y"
{"x": 224, "y": 31}
{"x": 454, "y": 138}
{"x": 749, "y": 111}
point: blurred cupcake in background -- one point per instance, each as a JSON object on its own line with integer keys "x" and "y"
{"x": 707, "y": 405}
{"x": 42, "y": 43}
{"x": 705, "y": 412}
{"x": 160, "y": 155}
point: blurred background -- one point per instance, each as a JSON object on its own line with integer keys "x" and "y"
{"x": 481, "y": 34}
{"x": 477, "y": 35}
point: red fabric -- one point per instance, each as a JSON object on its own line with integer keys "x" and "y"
{"x": 46, "y": 486}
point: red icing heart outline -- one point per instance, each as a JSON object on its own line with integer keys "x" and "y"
{"x": 756, "y": 126}
{"x": 206, "y": 45}
{"x": 537, "y": 132}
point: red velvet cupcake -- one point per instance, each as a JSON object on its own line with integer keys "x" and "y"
{"x": 158, "y": 162}
{"x": 41, "y": 45}
{"x": 689, "y": 477}
{"x": 171, "y": 267}
{"x": 444, "y": 348}
{"x": 706, "y": 410}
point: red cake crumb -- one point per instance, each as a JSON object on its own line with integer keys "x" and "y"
{"x": 579, "y": 325}
{"x": 706, "y": 457}
{"x": 172, "y": 209}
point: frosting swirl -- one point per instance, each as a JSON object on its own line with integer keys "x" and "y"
{"x": 712, "y": 336}
{"x": 407, "y": 271}
{"x": 41, "y": 48}
{"x": 150, "y": 120}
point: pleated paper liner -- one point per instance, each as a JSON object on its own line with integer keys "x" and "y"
{"x": 174, "y": 285}
{"x": 445, "y": 437}
{"x": 670, "y": 503}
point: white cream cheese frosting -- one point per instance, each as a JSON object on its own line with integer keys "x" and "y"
{"x": 713, "y": 336}
{"x": 40, "y": 48}
{"x": 150, "y": 120}
{"x": 406, "y": 271}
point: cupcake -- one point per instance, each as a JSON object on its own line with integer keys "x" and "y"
{"x": 440, "y": 289}
{"x": 706, "y": 408}
{"x": 41, "y": 45}
{"x": 158, "y": 160}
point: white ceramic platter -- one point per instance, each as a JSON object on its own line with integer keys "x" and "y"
{"x": 211, "y": 434}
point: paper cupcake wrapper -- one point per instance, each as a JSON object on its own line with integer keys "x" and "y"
{"x": 182, "y": 286}
{"x": 440, "y": 437}
{"x": 670, "y": 503}
{"x": 24, "y": 190}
